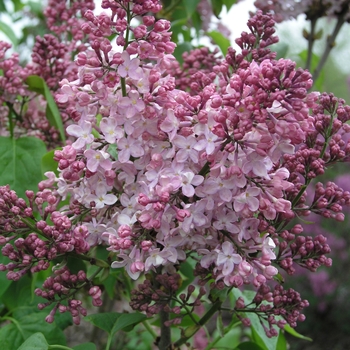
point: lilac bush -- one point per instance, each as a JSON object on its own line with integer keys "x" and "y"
{"x": 204, "y": 165}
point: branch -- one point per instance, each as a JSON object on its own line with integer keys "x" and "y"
{"x": 192, "y": 330}
{"x": 165, "y": 333}
{"x": 330, "y": 45}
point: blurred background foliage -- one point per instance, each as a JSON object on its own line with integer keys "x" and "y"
{"x": 196, "y": 23}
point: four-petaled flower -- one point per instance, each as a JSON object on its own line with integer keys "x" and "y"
{"x": 83, "y": 134}
{"x": 101, "y": 198}
{"x": 227, "y": 258}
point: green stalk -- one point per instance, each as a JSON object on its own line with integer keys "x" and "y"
{"x": 11, "y": 126}
{"x": 165, "y": 331}
{"x": 122, "y": 80}
{"x": 192, "y": 330}
{"x": 330, "y": 44}
{"x": 109, "y": 341}
{"x": 204, "y": 171}
{"x": 233, "y": 324}
{"x": 149, "y": 329}
{"x": 92, "y": 261}
{"x": 16, "y": 323}
{"x": 311, "y": 41}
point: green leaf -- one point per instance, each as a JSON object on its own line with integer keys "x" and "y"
{"x": 279, "y": 278}
{"x": 294, "y": 333}
{"x": 257, "y": 338}
{"x": 10, "y": 337}
{"x": 216, "y": 294}
{"x": 38, "y": 85}
{"x": 220, "y": 40}
{"x": 48, "y": 163}
{"x": 4, "y": 282}
{"x": 20, "y": 161}
{"x": 109, "y": 283}
{"x": 318, "y": 34}
{"x": 36, "y": 7}
{"x": 7, "y": 30}
{"x": 281, "y": 342}
{"x": 180, "y": 49}
{"x": 35, "y": 321}
{"x": 220, "y": 325}
{"x": 22, "y": 311}
{"x": 281, "y": 49}
{"x": 258, "y": 334}
{"x": 314, "y": 58}
{"x": 18, "y": 294}
{"x": 63, "y": 320}
{"x": 112, "y": 322}
{"x": 190, "y": 6}
{"x": 229, "y": 3}
{"x": 231, "y": 339}
{"x": 127, "y": 320}
{"x": 36, "y": 341}
{"x": 85, "y": 346}
{"x": 75, "y": 264}
{"x": 2, "y": 6}
{"x": 196, "y": 21}
{"x": 18, "y": 6}
{"x": 104, "y": 321}
{"x": 112, "y": 150}
{"x": 249, "y": 345}
{"x": 186, "y": 321}
{"x": 14, "y": 334}
{"x": 217, "y": 7}
{"x": 140, "y": 340}
{"x": 186, "y": 270}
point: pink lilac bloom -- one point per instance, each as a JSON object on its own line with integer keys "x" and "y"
{"x": 101, "y": 198}
{"x": 247, "y": 199}
{"x": 201, "y": 163}
{"x": 133, "y": 104}
{"x": 129, "y": 147}
{"x": 82, "y": 133}
{"x": 96, "y": 159}
{"x": 110, "y": 130}
{"x": 129, "y": 67}
{"x": 227, "y": 258}
{"x": 132, "y": 263}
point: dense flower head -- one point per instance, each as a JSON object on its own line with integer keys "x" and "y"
{"x": 62, "y": 17}
{"x": 51, "y": 60}
{"x": 313, "y": 9}
{"x": 211, "y": 162}
{"x": 223, "y": 145}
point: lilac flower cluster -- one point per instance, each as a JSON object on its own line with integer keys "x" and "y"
{"x": 63, "y": 287}
{"x": 285, "y": 303}
{"x": 51, "y": 60}
{"x": 160, "y": 174}
{"x": 32, "y": 245}
{"x": 173, "y": 173}
{"x": 285, "y": 10}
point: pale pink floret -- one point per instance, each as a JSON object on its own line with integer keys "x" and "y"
{"x": 111, "y": 130}
{"x": 227, "y": 258}
{"x": 96, "y": 159}
{"x": 133, "y": 263}
{"x": 247, "y": 199}
{"x": 83, "y": 134}
{"x": 129, "y": 147}
{"x": 101, "y": 198}
{"x": 189, "y": 180}
{"x": 130, "y": 67}
{"x": 186, "y": 148}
